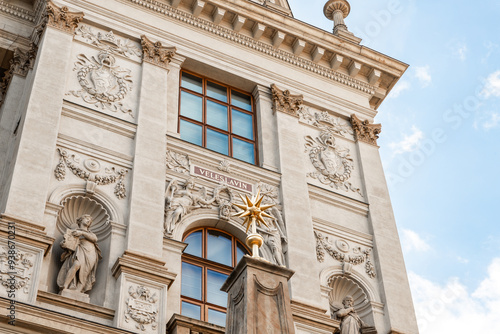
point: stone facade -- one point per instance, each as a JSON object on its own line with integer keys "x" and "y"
{"x": 89, "y": 127}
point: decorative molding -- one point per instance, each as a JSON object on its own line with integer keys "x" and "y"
{"x": 285, "y": 102}
{"x": 333, "y": 163}
{"x": 155, "y": 53}
{"x": 108, "y": 42}
{"x": 71, "y": 161}
{"x": 16, "y": 11}
{"x": 324, "y": 121}
{"x": 142, "y": 307}
{"x": 18, "y": 265}
{"x": 104, "y": 84}
{"x": 188, "y": 18}
{"x": 225, "y": 166}
{"x": 61, "y": 18}
{"x": 365, "y": 131}
{"x": 347, "y": 255}
{"x": 178, "y": 162}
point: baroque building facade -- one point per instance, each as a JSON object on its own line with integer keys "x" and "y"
{"x": 129, "y": 129}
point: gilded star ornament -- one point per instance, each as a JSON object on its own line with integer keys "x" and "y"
{"x": 253, "y": 210}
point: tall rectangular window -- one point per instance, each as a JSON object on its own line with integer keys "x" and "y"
{"x": 217, "y": 117}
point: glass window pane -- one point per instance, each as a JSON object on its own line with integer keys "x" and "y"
{"x": 192, "y": 106}
{"x": 214, "y": 283}
{"x": 240, "y": 100}
{"x": 191, "y": 281}
{"x": 191, "y": 132}
{"x": 191, "y": 310}
{"x": 243, "y": 150}
{"x": 217, "y": 115}
{"x": 240, "y": 251}
{"x": 242, "y": 124}
{"x": 217, "y": 317}
{"x": 219, "y": 247}
{"x": 194, "y": 244}
{"x": 217, "y": 91}
{"x": 217, "y": 142}
{"x": 192, "y": 82}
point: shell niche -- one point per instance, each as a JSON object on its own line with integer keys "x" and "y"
{"x": 342, "y": 287}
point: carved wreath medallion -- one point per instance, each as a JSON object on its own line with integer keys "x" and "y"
{"x": 142, "y": 307}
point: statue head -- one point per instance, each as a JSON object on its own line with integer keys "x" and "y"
{"x": 190, "y": 183}
{"x": 348, "y": 301}
{"x": 84, "y": 221}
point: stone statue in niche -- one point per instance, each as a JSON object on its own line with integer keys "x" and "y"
{"x": 179, "y": 201}
{"x": 81, "y": 256}
{"x": 350, "y": 323}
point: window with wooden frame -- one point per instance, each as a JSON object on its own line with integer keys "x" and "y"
{"x": 209, "y": 258}
{"x": 217, "y": 117}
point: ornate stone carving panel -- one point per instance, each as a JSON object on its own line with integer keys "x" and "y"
{"x": 142, "y": 307}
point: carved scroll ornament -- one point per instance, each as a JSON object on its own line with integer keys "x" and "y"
{"x": 155, "y": 53}
{"x": 285, "y": 102}
{"x": 365, "y": 131}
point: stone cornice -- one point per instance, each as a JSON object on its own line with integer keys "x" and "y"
{"x": 16, "y": 11}
{"x": 155, "y": 53}
{"x": 365, "y": 131}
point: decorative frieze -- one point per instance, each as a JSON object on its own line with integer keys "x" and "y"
{"x": 142, "y": 307}
{"x": 155, "y": 53}
{"x": 88, "y": 172}
{"x": 16, "y": 11}
{"x": 344, "y": 253}
{"x": 333, "y": 163}
{"x": 325, "y": 121}
{"x": 108, "y": 42}
{"x": 365, "y": 131}
{"x": 286, "y": 102}
{"x": 61, "y": 18}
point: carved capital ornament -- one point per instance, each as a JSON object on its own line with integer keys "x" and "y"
{"x": 155, "y": 53}
{"x": 365, "y": 131}
{"x": 61, "y": 18}
{"x": 286, "y": 102}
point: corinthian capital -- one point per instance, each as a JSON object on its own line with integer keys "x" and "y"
{"x": 61, "y": 18}
{"x": 284, "y": 101}
{"x": 155, "y": 53}
{"x": 365, "y": 131}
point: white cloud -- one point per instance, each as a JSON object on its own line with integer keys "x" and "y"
{"x": 422, "y": 73}
{"x": 492, "y": 85}
{"x": 399, "y": 88}
{"x": 412, "y": 241}
{"x": 462, "y": 260}
{"x": 462, "y": 52}
{"x": 409, "y": 143}
{"x": 452, "y": 309}
{"x": 493, "y": 122}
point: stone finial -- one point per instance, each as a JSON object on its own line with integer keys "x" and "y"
{"x": 61, "y": 18}
{"x": 155, "y": 53}
{"x": 337, "y": 11}
{"x": 365, "y": 131}
{"x": 285, "y": 102}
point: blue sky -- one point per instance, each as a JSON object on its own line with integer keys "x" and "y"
{"x": 440, "y": 149}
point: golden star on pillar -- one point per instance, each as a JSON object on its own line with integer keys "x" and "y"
{"x": 253, "y": 210}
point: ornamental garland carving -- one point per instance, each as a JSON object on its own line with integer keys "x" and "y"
{"x": 104, "y": 84}
{"x": 17, "y": 264}
{"x": 155, "y": 53}
{"x": 340, "y": 254}
{"x": 88, "y": 172}
{"x": 285, "y": 102}
{"x": 333, "y": 163}
{"x": 365, "y": 131}
{"x": 326, "y": 122}
{"x": 142, "y": 307}
{"x": 177, "y": 162}
{"x": 109, "y": 42}
{"x": 61, "y": 18}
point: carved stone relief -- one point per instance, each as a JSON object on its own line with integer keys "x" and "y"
{"x": 88, "y": 172}
{"x": 104, "y": 84}
{"x": 18, "y": 265}
{"x": 108, "y": 42}
{"x": 224, "y": 166}
{"x": 326, "y": 122}
{"x": 155, "y": 53}
{"x": 142, "y": 307}
{"x": 178, "y": 162}
{"x": 333, "y": 163}
{"x": 285, "y": 102}
{"x": 365, "y": 131}
{"x": 347, "y": 255}
{"x": 61, "y": 18}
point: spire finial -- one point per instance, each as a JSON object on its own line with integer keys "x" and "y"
{"x": 337, "y": 11}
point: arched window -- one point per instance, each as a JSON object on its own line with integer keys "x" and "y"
{"x": 209, "y": 258}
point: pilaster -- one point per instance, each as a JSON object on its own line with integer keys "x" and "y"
{"x": 268, "y": 141}
{"x": 173, "y": 79}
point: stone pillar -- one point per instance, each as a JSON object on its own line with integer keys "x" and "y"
{"x": 258, "y": 298}
{"x": 26, "y": 191}
{"x": 268, "y": 141}
{"x": 399, "y": 311}
{"x": 173, "y": 94}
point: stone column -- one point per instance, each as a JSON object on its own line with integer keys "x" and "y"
{"x": 399, "y": 311}
{"x": 173, "y": 94}
{"x": 268, "y": 141}
{"x": 258, "y": 298}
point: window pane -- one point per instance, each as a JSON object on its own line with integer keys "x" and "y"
{"x": 192, "y": 106}
{"x": 191, "y": 310}
{"x": 217, "y": 115}
{"x": 219, "y": 247}
{"x": 217, "y": 142}
{"x": 194, "y": 244}
{"x": 217, "y": 317}
{"x": 191, "y": 132}
{"x": 242, "y": 124}
{"x": 192, "y": 82}
{"x": 240, "y": 251}
{"x": 191, "y": 281}
{"x": 241, "y": 100}
{"x": 243, "y": 150}
{"x": 214, "y": 283}
{"x": 216, "y": 91}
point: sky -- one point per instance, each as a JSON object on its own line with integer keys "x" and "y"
{"x": 440, "y": 148}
